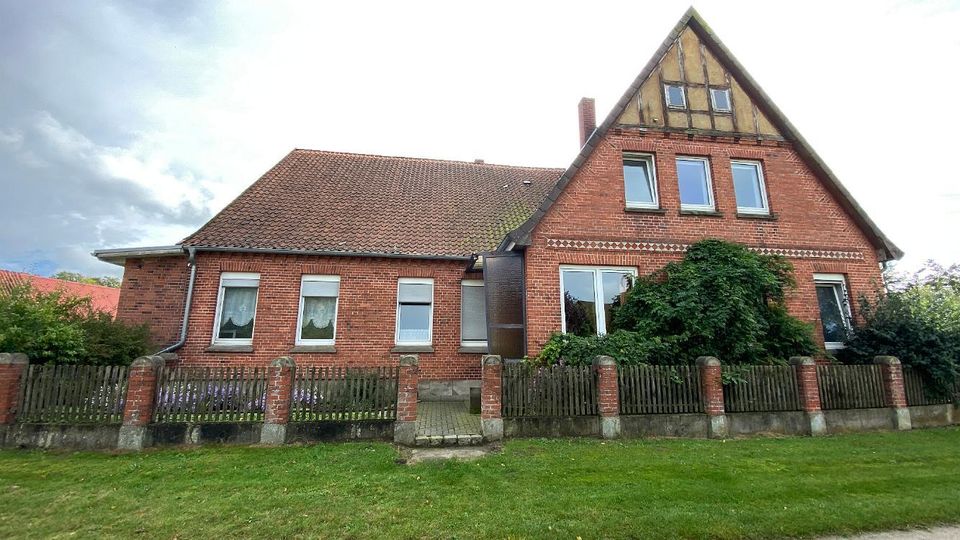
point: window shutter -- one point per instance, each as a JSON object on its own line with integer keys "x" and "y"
{"x": 320, "y": 288}
{"x": 415, "y": 293}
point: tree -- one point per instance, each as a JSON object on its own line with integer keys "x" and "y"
{"x": 105, "y": 281}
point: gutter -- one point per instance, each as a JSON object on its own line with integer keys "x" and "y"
{"x": 191, "y": 261}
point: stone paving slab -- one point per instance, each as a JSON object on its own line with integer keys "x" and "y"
{"x": 447, "y": 423}
{"x": 933, "y": 533}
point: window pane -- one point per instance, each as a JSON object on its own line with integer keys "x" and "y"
{"x": 692, "y": 178}
{"x": 746, "y": 184}
{"x": 473, "y": 319}
{"x": 637, "y": 181}
{"x": 413, "y": 323}
{"x": 415, "y": 292}
{"x": 236, "y": 313}
{"x": 721, "y": 100}
{"x": 579, "y": 303}
{"x": 318, "y": 317}
{"x": 831, "y": 316}
{"x": 614, "y": 285}
{"x": 675, "y": 96}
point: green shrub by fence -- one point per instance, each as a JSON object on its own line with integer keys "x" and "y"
{"x": 760, "y": 389}
{"x": 659, "y": 389}
{"x": 337, "y": 393}
{"x": 71, "y": 394}
{"x": 918, "y": 392}
{"x": 229, "y": 394}
{"x": 850, "y": 386}
{"x": 548, "y": 391}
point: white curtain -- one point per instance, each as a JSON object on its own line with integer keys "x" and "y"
{"x": 239, "y": 304}
{"x": 320, "y": 310}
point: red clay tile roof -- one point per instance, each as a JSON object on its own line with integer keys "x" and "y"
{"x": 103, "y": 298}
{"x": 356, "y": 203}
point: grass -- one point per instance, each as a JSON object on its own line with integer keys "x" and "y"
{"x": 762, "y": 487}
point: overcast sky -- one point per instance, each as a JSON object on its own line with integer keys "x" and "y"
{"x": 131, "y": 123}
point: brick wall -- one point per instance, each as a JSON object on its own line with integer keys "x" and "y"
{"x": 591, "y": 208}
{"x": 152, "y": 293}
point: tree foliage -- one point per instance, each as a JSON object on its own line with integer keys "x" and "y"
{"x": 105, "y": 281}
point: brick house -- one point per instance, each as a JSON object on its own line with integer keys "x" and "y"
{"x": 350, "y": 259}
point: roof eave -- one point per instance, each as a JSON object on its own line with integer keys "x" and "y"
{"x": 119, "y": 256}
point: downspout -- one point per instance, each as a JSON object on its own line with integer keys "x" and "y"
{"x": 191, "y": 260}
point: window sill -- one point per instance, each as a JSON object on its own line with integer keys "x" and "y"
{"x": 645, "y": 210}
{"x": 473, "y": 349}
{"x": 762, "y": 217}
{"x": 230, "y": 348}
{"x": 314, "y": 349}
{"x": 704, "y": 213}
{"x": 412, "y": 349}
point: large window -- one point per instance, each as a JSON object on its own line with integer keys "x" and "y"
{"x": 588, "y": 295}
{"x": 414, "y": 311}
{"x": 236, "y": 308}
{"x": 639, "y": 181}
{"x": 749, "y": 187}
{"x": 473, "y": 314}
{"x": 693, "y": 178}
{"x": 317, "y": 324}
{"x": 834, "y": 309}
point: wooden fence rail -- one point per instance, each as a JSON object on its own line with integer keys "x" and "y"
{"x": 338, "y": 393}
{"x": 919, "y": 393}
{"x": 548, "y": 391}
{"x": 850, "y": 386}
{"x": 761, "y": 389}
{"x": 659, "y": 389}
{"x": 228, "y": 394}
{"x": 65, "y": 394}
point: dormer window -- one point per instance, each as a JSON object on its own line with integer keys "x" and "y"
{"x": 720, "y": 97}
{"x": 676, "y": 98}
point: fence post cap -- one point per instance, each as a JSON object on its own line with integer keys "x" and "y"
{"x": 886, "y": 360}
{"x": 13, "y": 358}
{"x": 491, "y": 360}
{"x": 707, "y": 361}
{"x": 801, "y": 361}
{"x": 603, "y": 360}
{"x": 409, "y": 360}
{"x": 147, "y": 361}
{"x": 282, "y": 362}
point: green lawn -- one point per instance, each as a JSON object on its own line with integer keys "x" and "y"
{"x": 760, "y": 487}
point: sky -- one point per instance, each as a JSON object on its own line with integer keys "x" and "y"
{"x": 132, "y": 123}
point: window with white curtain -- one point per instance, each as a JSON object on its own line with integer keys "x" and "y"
{"x": 588, "y": 296}
{"x": 236, "y": 308}
{"x": 414, "y": 311}
{"x": 473, "y": 314}
{"x": 834, "y": 302}
{"x": 317, "y": 324}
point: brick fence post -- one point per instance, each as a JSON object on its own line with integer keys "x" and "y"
{"x": 809, "y": 390}
{"x": 276, "y": 409}
{"x": 405, "y": 427}
{"x": 140, "y": 402}
{"x": 491, "y": 384}
{"x": 895, "y": 396}
{"x": 12, "y": 366}
{"x": 711, "y": 389}
{"x": 608, "y": 395}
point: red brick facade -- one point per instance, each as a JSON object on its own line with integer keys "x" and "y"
{"x": 152, "y": 293}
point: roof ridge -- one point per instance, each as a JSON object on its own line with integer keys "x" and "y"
{"x": 434, "y": 160}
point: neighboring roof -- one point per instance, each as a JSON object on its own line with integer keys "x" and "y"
{"x": 339, "y": 203}
{"x": 521, "y": 235}
{"x": 119, "y": 256}
{"x": 102, "y": 298}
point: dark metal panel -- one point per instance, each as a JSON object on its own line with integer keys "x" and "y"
{"x": 505, "y": 289}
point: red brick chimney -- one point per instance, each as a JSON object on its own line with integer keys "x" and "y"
{"x": 588, "y": 118}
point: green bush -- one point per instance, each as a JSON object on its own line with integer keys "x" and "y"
{"x": 54, "y": 328}
{"x": 721, "y": 300}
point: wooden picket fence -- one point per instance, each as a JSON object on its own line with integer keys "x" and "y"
{"x": 338, "y": 393}
{"x": 761, "y": 389}
{"x": 918, "y": 392}
{"x": 227, "y": 394}
{"x": 548, "y": 391}
{"x": 659, "y": 389}
{"x": 65, "y": 394}
{"x": 850, "y": 386}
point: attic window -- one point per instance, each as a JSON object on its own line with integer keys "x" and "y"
{"x": 675, "y": 96}
{"x": 721, "y": 99}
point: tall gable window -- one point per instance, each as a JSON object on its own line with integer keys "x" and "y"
{"x": 676, "y": 97}
{"x": 834, "y": 309}
{"x": 749, "y": 187}
{"x": 414, "y": 311}
{"x": 639, "y": 181}
{"x": 693, "y": 178}
{"x": 318, "y": 310}
{"x": 473, "y": 314}
{"x": 588, "y": 296}
{"x": 720, "y": 98}
{"x": 236, "y": 308}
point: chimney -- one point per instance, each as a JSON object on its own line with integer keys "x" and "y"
{"x": 588, "y": 119}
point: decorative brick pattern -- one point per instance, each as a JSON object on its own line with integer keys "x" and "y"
{"x": 407, "y": 383}
{"x": 141, "y": 391}
{"x": 12, "y": 366}
{"x": 894, "y": 393}
{"x": 657, "y": 247}
{"x": 491, "y": 387}
{"x": 711, "y": 385}
{"x": 279, "y": 391}
{"x": 608, "y": 391}
{"x": 807, "y": 382}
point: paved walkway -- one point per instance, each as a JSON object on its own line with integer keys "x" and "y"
{"x": 951, "y": 532}
{"x": 446, "y": 423}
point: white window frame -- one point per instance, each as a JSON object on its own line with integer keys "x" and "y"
{"x": 471, "y": 343}
{"x": 683, "y": 95}
{"x": 713, "y": 100}
{"x": 396, "y": 333}
{"x": 844, "y": 303}
{"x": 712, "y": 206}
{"x": 763, "y": 188}
{"x": 216, "y": 340}
{"x": 652, "y": 167}
{"x": 597, "y": 291}
{"x": 307, "y": 278}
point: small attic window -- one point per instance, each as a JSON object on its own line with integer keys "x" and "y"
{"x": 721, "y": 99}
{"x": 675, "y": 96}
